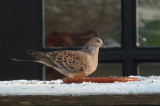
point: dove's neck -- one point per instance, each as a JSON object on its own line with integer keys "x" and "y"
{"x": 92, "y": 52}
{"x": 91, "y": 49}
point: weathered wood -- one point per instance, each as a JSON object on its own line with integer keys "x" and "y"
{"x": 127, "y": 99}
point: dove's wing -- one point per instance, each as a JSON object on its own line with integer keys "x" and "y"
{"x": 69, "y": 61}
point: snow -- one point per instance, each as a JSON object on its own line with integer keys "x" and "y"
{"x": 145, "y": 85}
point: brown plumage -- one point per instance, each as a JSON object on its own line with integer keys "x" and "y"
{"x": 71, "y": 63}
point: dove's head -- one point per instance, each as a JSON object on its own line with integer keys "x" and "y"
{"x": 97, "y": 42}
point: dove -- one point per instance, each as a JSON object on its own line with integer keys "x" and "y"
{"x": 71, "y": 63}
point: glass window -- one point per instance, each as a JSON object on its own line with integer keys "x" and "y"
{"x": 148, "y": 12}
{"x": 149, "y": 69}
{"x": 73, "y": 22}
{"x": 108, "y": 69}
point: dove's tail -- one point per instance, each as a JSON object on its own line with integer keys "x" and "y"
{"x": 38, "y": 57}
{"x": 35, "y": 54}
{"x": 22, "y": 60}
{"x": 41, "y": 57}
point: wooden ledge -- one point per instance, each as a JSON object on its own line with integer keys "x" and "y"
{"x": 126, "y": 99}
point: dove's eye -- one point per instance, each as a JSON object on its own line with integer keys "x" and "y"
{"x": 98, "y": 41}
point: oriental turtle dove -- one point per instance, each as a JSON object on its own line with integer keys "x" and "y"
{"x": 72, "y": 64}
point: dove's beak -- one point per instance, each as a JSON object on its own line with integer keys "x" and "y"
{"x": 104, "y": 45}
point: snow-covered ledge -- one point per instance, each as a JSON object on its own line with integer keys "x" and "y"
{"x": 145, "y": 85}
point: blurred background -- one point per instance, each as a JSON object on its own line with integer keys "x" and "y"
{"x": 75, "y": 22}
{"x": 148, "y": 32}
{"x": 148, "y": 20}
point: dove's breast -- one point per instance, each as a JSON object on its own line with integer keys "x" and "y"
{"x": 93, "y": 64}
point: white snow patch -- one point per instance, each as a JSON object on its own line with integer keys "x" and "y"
{"x": 146, "y": 85}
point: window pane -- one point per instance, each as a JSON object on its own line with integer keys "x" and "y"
{"x": 148, "y": 12}
{"x": 73, "y": 22}
{"x": 108, "y": 69}
{"x": 148, "y": 69}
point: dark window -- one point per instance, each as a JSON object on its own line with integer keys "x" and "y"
{"x": 21, "y": 29}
